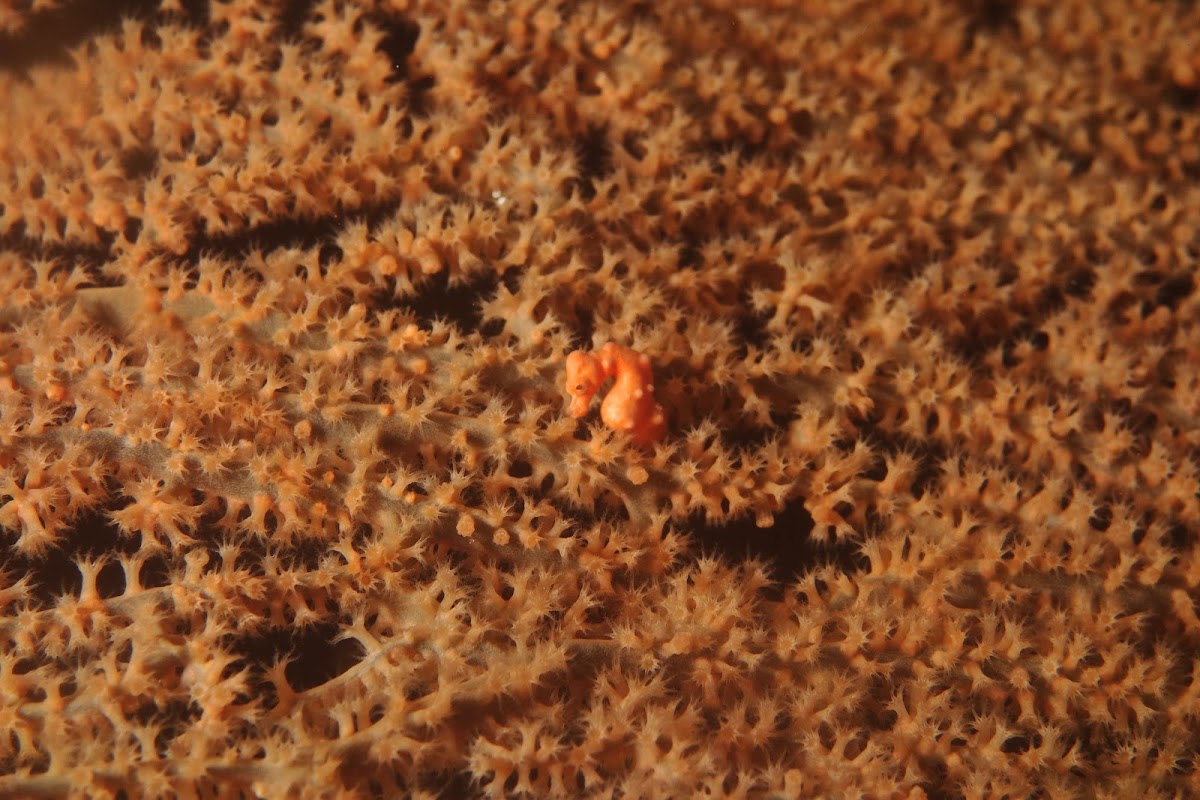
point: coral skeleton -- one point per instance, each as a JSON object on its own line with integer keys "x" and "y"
{"x": 300, "y": 491}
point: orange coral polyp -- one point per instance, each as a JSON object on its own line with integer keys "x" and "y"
{"x": 630, "y": 405}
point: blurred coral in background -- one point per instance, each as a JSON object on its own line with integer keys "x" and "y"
{"x": 291, "y": 500}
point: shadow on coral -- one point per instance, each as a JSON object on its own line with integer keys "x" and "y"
{"x": 788, "y": 546}
{"x": 315, "y": 656}
{"x": 453, "y": 302}
{"x": 52, "y": 34}
{"x": 55, "y": 573}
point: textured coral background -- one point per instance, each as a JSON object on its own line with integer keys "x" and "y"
{"x": 290, "y": 503}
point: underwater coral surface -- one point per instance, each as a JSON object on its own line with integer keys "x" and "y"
{"x": 895, "y": 495}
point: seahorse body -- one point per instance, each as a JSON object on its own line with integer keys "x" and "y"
{"x": 630, "y": 405}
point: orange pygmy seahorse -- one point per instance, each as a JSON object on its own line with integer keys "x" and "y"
{"x": 630, "y": 405}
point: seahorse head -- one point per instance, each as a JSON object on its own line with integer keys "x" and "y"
{"x": 584, "y": 376}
